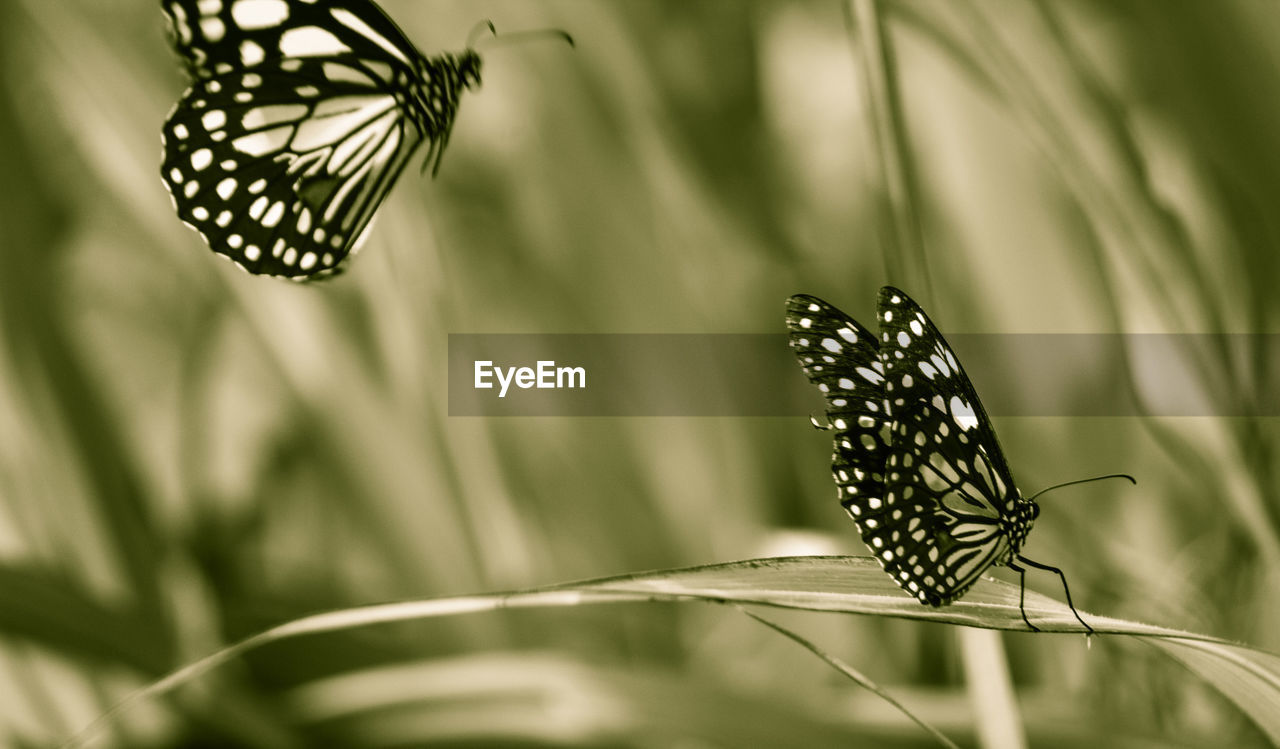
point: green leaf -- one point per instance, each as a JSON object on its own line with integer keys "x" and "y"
{"x": 1250, "y": 678}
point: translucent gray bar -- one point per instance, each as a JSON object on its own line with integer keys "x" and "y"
{"x": 757, "y": 375}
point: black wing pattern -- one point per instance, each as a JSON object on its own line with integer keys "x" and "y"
{"x": 215, "y": 37}
{"x": 916, "y": 460}
{"x": 301, "y": 116}
{"x": 842, "y": 359}
{"x": 945, "y": 466}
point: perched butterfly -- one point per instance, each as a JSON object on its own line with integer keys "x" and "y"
{"x": 300, "y": 117}
{"x": 916, "y": 462}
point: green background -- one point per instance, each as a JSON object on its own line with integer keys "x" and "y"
{"x": 189, "y": 454}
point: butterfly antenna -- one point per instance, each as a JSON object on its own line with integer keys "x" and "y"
{"x": 519, "y": 36}
{"x": 478, "y": 30}
{"x": 1084, "y": 481}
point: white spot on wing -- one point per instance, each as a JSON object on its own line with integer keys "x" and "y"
{"x": 339, "y": 73}
{"x": 213, "y": 29}
{"x": 870, "y": 375}
{"x": 259, "y": 14}
{"x": 353, "y": 22}
{"x": 259, "y": 144}
{"x": 962, "y": 414}
{"x": 251, "y": 53}
{"x": 311, "y": 41}
{"x": 227, "y": 187}
{"x": 274, "y": 215}
{"x": 213, "y": 119}
{"x": 273, "y": 114}
{"x": 201, "y": 159}
{"x": 181, "y": 23}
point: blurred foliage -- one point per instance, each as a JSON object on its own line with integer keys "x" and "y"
{"x": 189, "y": 454}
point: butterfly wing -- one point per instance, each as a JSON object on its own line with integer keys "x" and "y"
{"x": 841, "y": 358}
{"x": 956, "y": 510}
{"x": 295, "y": 129}
{"x": 285, "y": 183}
{"x": 218, "y": 36}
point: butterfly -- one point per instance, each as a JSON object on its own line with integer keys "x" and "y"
{"x": 916, "y": 462}
{"x": 300, "y": 117}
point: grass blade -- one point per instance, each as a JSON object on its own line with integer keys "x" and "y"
{"x": 1247, "y": 676}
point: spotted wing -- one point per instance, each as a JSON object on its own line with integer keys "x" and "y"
{"x": 957, "y": 509}
{"x": 296, "y": 127}
{"x": 215, "y": 37}
{"x": 282, "y": 169}
{"x": 841, "y": 358}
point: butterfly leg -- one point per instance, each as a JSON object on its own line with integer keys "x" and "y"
{"x": 1065, "y": 589}
{"x": 430, "y": 157}
{"x": 1022, "y": 594}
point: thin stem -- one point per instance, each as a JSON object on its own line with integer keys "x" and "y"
{"x": 856, "y": 676}
{"x": 904, "y": 255}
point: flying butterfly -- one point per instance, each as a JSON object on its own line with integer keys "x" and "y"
{"x": 300, "y": 117}
{"x": 916, "y": 461}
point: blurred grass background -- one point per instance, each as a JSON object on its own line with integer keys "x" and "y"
{"x": 189, "y": 454}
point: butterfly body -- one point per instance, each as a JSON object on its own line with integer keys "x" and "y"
{"x": 437, "y": 91}
{"x": 916, "y": 460}
{"x": 300, "y": 117}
